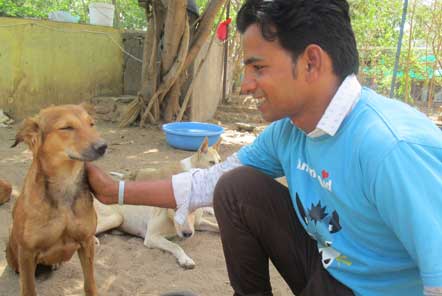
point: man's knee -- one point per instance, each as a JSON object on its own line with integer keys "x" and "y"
{"x": 235, "y": 185}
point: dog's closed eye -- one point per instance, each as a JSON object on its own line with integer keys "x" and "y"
{"x": 67, "y": 128}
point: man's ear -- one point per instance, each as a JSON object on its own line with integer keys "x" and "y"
{"x": 30, "y": 133}
{"x": 89, "y": 107}
{"x": 313, "y": 61}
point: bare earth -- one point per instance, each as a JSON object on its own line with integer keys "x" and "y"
{"x": 123, "y": 266}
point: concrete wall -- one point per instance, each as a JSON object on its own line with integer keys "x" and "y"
{"x": 44, "y": 62}
{"x": 133, "y": 44}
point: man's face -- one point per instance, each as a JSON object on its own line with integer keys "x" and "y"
{"x": 272, "y": 77}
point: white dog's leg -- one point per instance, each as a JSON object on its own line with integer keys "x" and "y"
{"x": 206, "y": 225}
{"x": 108, "y": 222}
{"x": 159, "y": 242}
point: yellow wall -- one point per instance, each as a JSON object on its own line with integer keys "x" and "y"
{"x": 45, "y": 62}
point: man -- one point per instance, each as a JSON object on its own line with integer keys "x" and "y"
{"x": 363, "y": 211}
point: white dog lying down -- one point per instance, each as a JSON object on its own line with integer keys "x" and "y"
{"x": 154, "y": 224}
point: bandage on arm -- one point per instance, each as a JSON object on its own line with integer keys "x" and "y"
{"x": 194, "y": 189}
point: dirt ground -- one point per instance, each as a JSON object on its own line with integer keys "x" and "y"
{"x": 123, "y": 265}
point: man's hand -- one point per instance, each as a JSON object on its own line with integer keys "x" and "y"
{"x": 102, "y": 185}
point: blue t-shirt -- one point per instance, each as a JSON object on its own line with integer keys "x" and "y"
{"x": 371, "y": 195}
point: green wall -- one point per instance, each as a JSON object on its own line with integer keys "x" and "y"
{"x": 45, "y": 62}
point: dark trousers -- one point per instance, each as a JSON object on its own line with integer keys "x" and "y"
{"x": 257, "y": 222}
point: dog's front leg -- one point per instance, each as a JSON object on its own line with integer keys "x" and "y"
{"x": 86, "y": 254}
{"x": 206, "y": 225}
{"x": 159, "y": 242}
{"x": 27, "y": 265}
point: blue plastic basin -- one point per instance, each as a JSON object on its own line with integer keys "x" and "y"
{"x": 189, "y": 135}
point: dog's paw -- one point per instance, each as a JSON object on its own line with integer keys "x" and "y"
{"x": 186, "y": 262}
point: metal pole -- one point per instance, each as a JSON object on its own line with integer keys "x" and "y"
{"x": 398, "y": 51}
{"x": 226, "y": 51}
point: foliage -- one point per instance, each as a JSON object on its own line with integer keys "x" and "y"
{"x": 375, "y": 22}
{"x": 376, "y": 25}
{"x": 129, "y": 14}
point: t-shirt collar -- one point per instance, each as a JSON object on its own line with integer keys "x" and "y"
{"x": 341, "y": 104}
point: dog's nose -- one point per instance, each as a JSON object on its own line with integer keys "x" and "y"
{"x": 100, "y": 147}
{"x": 187, "y": 234}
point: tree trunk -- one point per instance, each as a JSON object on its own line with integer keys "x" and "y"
{"x": 167, "y": 58}
{"x": 176, "y": 16}
{"x": 407, "y": 96}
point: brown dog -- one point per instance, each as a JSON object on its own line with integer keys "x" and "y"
{"x": 54, "y": 215}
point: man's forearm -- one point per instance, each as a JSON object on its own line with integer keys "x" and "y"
{"x": 157, "y": 193}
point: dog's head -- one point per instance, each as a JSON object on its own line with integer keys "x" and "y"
{"x": 205, "y": 156}
{"x": 61, "y": 133}
{"x": 187, "y": 229}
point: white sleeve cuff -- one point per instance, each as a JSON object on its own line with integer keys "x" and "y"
{"x": 194, "y": 189}
{"x": 182, "y": 186}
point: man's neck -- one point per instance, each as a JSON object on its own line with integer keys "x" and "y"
{"x": 308, "y": 120}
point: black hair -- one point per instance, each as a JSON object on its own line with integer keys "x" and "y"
{"x": 298, "y": 23}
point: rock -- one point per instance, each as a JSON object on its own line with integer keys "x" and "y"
{"x": 5, "y": 191}
{"x": 240, "y": 126}
{"x": 5, "y": 120}
{"x": 111, "y": 108}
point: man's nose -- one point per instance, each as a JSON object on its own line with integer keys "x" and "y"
{"x": 248, "y": 85}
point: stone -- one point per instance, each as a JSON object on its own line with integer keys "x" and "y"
{"x": 5, "y": 120}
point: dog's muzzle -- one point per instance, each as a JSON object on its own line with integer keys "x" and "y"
{"x": 93, "y": 152}
{"x": 186, "y": 234}
{"x": 100, "y": 147}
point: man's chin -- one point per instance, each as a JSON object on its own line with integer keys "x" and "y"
{"x": 268, "y": 118}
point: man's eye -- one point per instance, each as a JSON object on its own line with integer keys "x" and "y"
{"x": 67, "y": 128}
{"x": 258, "y": 67}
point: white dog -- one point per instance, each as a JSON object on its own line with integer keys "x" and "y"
{"x": 155, "y": 224}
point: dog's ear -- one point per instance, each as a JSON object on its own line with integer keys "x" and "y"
{"x": 30, "y": 133}
{"x": 204, "y": 147}
{"x": 90, "y": 108}
{"x": 217, "y": 145}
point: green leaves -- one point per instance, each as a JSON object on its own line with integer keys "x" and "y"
{"x": 129, "y": 14}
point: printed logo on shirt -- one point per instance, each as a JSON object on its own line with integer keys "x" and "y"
{"x": 322, "y": 178}
{"x": 321, "y": 225}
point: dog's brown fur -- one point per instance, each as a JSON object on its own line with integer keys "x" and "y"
{"x": 5, "y": 191}
{"x": 54, "y": 215}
